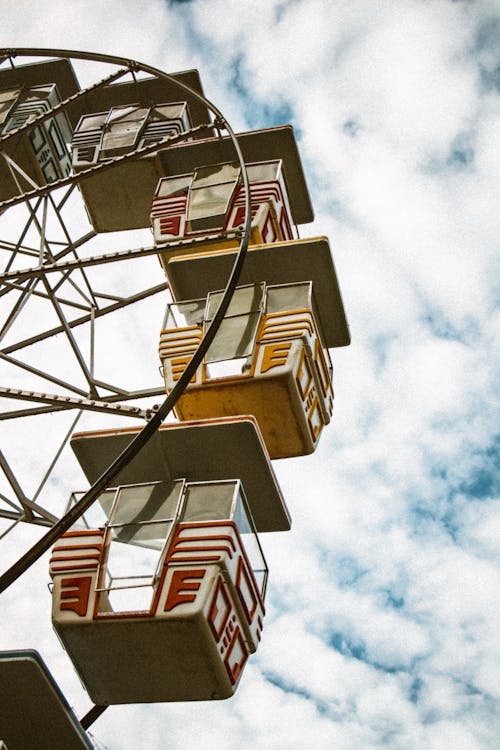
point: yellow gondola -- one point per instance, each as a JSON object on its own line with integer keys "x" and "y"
{"x": 268, "y": 359}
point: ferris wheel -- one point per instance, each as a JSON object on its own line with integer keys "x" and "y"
{"x": 151, "y": 262}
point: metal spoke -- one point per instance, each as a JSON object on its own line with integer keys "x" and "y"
{"x": 17, "y": 517}
{"x": 71, "y": 339}
{"x": 63, "y": 105}
{"x": 4, "y": 465}
{"x": 98, "y": 168}
{"x": 57, "y": 455}
{"x": 72, "y": 403}
{"x": 142, "y": 394}
{"x": 28, "y": 505}
{"x": 86, "y": 318}
{"x": 42, "y": 374}
{"x": 23, "y": 235}
{"x": 70, "y": 245}
{"x": 18, "y": 306}
{"x": 44, "y": 295}
{"x": 73, "y": 288}
{"x": 9, "y": 502}
{"x": 118, "y": 255}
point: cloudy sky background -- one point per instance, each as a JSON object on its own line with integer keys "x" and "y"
{"x": 384, "y": 605}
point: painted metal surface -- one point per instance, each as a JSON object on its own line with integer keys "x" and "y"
{"x": 67, "y": 248}
{"x": 38, "y": 155}
{"x": 34, "y": 715}
{"x": 200, "y": 451}
{"x": 157, "y": 605}
{"x": 208, "y": 203}
{"x": 268, "y": 360}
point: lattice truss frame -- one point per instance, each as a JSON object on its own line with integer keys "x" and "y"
{"x": 59, "y": 281}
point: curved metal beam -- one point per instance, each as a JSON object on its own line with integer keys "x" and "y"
{"x": 105, "y": 480}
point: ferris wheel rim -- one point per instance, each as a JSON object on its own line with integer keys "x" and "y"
{"x": 132, "y": 66}
{"x": 151, "y": 426}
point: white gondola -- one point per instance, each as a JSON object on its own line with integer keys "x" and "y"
{"x": 120, "y": 119}
{"x": 47, "y": 140}
{"x": 208, "y": 207}
{"x": 38, "y": 155}
{"x": 162, "y": 597}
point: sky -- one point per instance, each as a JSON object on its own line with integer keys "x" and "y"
{"x": 383, "y": 608}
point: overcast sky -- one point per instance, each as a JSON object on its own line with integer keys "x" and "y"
{"x": 383, "y": 610}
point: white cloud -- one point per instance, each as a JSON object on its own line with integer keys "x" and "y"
{"x": 383, "y": 610}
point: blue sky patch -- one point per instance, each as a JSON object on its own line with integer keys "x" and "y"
{"x": 488, "y": 50}
{"x": 288, "y": 687}
{"x": 351, "y": 127}
{"x": 484, "y": 481}
{"x": 443, "y": 328}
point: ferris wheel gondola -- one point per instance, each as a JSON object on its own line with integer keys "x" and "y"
{"x": 157, "y": 568}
